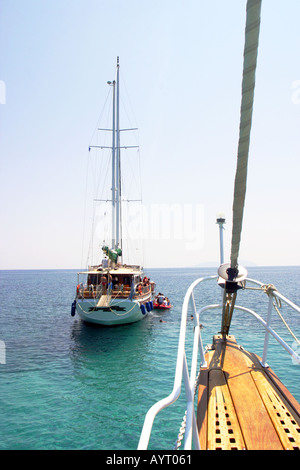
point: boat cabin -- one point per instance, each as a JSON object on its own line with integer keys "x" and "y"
{"x": 122, "y": 282}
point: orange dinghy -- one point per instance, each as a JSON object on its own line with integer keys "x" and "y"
{"x": 161, "y": 302}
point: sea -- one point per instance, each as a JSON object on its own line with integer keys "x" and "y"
{"x": 67, "y": 385}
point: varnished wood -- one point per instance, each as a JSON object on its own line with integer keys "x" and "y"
{"x": 202, "y": 407}
{"x": 224, "y": 431}
{"x": 104, "y": 300}
{"x": 257, "y": 428}
{"x": 293, "y": 402}
{"x": 241, "y": 404}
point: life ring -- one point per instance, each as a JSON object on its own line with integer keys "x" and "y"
{"x": 77, "y": 288}
{"x": 139, "y": 288}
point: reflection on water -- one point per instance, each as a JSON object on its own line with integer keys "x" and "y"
{"x": 70, "y": 385}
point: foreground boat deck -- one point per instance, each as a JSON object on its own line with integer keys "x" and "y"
{"x": 242, "y": 405}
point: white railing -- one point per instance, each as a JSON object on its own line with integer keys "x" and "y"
{"x": 273, "y": 293}
{"x": 181, "y": 373}
{"x": 189, "y": 380}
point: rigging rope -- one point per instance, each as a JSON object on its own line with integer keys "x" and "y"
{"x": 268, "y": 289}
{"x": 248, "y": 84}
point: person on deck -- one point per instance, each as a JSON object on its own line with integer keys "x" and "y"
{"x": 104, "y": 284}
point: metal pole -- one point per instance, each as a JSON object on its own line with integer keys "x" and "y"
{"x": 113, "y": 186}
{"x": 221, "y": 221}
{"x": 118, "y": 163}
{"x": 266, "y": 343}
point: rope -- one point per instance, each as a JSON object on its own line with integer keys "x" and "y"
{"x": 112, "y": 311}
{"x": 248, "y": 84}
{"x": 269, "y": 289}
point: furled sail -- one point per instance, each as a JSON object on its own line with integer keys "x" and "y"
{"x": 248, "y": 84}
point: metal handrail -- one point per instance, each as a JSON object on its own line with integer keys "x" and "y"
{"x": 266, "y": 324}
{"x": 182, "y": 373}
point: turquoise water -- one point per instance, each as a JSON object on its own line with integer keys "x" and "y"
{"x": 67, "y": 385}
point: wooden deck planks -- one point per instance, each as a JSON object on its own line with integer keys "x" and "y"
{"x": 237, "y": 390}
{"x": 202, "y": 407}
{"x": 104, "y": 300}
{"x": 283, "y": 409}
{"x": 224, "y": 431}
{"x": 280, "y": 413}
{"x": 258, "y": 431}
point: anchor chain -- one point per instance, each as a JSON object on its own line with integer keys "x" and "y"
{"x": 183, "y": 423}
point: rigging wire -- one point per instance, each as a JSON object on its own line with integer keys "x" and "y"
{"x": 123, "y": 83}
{"x": 88, "y": 164}
{"x": 99, "y": 174}
{"x": 84, "y": 211}
{"x": 94, "y": 214}
{"x": 141, "y": 257}
{"x": 131, "y": 175}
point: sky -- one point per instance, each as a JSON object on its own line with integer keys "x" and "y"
{"x": 181, "y": 69}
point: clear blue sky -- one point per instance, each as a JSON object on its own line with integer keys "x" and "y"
{"x": 182, "y": 65}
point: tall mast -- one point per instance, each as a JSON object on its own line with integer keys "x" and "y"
{"x": 113, "y": 184}
{"x": 116, "y": 236}
{"x": 118, "y": 176}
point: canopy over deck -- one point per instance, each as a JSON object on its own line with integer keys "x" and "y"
{"x": 124, "y": 269}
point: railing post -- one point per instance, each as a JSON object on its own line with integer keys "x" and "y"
{"x": 189, "y": 400}
{"x": 197, "y": 323}
{"x": 266, "y": 343}
{"x": 191, "y": 432}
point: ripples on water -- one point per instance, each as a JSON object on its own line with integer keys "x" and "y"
{"x": 67, "y": 385}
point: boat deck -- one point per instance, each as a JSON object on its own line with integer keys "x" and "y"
{"x": 116, "y": 293}
{"x": 242, "y": 405}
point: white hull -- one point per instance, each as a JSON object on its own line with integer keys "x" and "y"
{"x": 118, "y": 312}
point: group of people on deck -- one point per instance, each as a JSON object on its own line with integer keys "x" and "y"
{"x": 108, "y": 283}
{"x": 160, "y": 299}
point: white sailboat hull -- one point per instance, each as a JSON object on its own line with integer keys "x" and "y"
{"x": 117, "y": 312}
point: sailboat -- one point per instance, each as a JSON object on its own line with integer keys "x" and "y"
{"x": 114, "y": 293}
{"x": 234, "y": 400}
